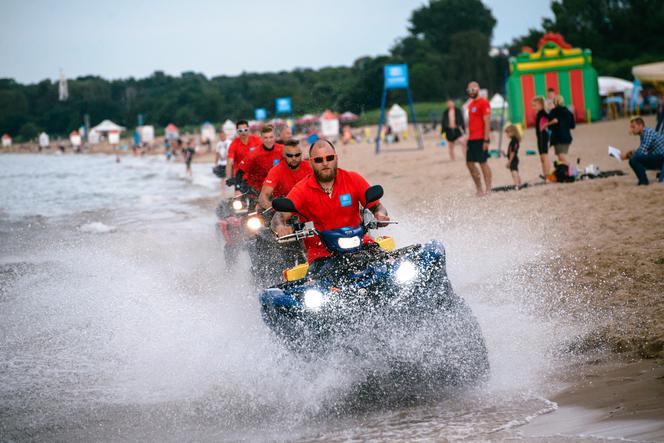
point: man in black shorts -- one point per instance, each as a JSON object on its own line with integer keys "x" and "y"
{"x": 479, "y": 113}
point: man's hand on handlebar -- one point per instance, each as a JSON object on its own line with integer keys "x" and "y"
{"x": 283, "y": 230}
{"x": 379, "y": 216}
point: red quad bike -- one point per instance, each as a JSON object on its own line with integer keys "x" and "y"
{"x": 231, "y": 214}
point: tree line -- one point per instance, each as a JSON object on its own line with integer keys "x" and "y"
{"x": 448, "y": 44}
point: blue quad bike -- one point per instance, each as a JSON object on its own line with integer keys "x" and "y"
{"x": 393, "y": 307}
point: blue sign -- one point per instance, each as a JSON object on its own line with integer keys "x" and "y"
{"x": 396, "y": 76}
{"x": 345, "y": 200}
{"x": 260, "y": 114}
{"x": 283, "y": 105}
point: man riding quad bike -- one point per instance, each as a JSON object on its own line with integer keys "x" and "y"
{"x": 361, "y": 295}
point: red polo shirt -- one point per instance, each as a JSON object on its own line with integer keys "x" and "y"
{"x": 281, "y": 178}
{"x": 329, "y": 212}
{"x": 257, "y": 164}
{"x": 477, "y": 109}
{"x": 238, "y": 150}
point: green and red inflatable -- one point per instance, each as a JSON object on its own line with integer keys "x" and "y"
{"x": 555, "y": 65}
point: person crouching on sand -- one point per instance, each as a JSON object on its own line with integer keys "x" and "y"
{"x": 513, "y": 153}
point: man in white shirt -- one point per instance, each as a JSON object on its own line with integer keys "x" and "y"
{"x": 220, "y": 157}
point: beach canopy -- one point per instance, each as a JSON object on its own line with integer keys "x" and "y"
{"x": 108, "y": 126}
{"x": 498, "y": 102}
{"x": 6, "y": 141}
{"x": 306, "y": 119}
{"x": 329, "y": 124}
{"x": 348, "y": 117}
{"x": 613, "y": 85}
{"x": 397, "y": 118}
{"x": 44, "y": 140}
{"x": 650, "y": 72}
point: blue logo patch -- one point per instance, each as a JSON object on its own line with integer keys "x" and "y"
{"x": 275, "y": 162}
{"x": 473, "y": 109}
{"x": 345, "y": 200}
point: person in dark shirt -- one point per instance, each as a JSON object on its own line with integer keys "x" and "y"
{"x": 454, "y": 127}
{"x": 561, "y": 122}
{"x": 542, "y": 134}
{"x": 512, "y": 133}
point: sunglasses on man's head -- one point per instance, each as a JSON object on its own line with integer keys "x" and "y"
{"x": 327, "y": 158}
{"x": 294, "y": 155}
{"x": 243, "y": 130}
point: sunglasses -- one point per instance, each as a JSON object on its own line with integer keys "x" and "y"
{"x": 327, "y": 158}
{"x": 243, "y": 130}
{"x": 294, "y": 155}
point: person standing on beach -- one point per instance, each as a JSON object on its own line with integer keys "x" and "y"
{"x": 479, "y": 113}
{"x": 189, "y": 152}
{"x": 242, "y": 146}
{"x": 453, "y": 126}
{"x": 221, "y": 151}
{"x": 561, "y": 121}
{"x": 542, "y": 134}
{"x": 549, "y": 102}
{"x": 512, "y": 133}
{"x": 285, "y": 134}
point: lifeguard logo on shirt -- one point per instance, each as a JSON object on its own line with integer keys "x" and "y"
{"x": 345, "y": 200}
{"x": 473, "y": 109}
{"x": 275, "y": 162}
{"x": 252, "y": 148}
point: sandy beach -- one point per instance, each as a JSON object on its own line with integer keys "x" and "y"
{"x": 591, "y": 255}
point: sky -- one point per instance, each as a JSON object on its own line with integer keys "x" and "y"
{"x": 123, "y": 38}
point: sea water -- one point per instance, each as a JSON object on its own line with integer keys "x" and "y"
{"x": 119, "y": 320}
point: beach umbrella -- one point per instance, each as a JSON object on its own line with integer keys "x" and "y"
{"x": 613, "y": 85}
{"x": 348, "y": 117}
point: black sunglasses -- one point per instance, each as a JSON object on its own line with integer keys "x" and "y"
{"x": 327, "y": 158}
{"x": 294, "y": 155}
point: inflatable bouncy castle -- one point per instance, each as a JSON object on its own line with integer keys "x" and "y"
{"x": 555, "y": 65}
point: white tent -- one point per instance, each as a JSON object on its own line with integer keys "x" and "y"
{"x": 650, "y": 72}
{"x": 329, "y": 125}
{"x": 146, "y": 133}
{"x": 208, "y": 132}
{"x": 44, "y": 140}
{"x": 397, "y": 118}
{"x": 6, "y": 141}
{"x": 613, "y": 85}
{"x": 108, "y": 126}
{"x": 498, "y": 102}
{"x": 229, "y": 128}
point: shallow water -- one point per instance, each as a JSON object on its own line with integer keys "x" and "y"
{"x": 119, "y": 321}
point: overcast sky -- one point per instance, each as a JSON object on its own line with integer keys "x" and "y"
{"x": 122, "y": 38}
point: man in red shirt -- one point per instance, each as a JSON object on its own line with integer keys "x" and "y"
{"x": 254, "y": 167}
{"x": 479, "y": 114}
{"x": 330, "y": 197}
{"x": 281, "y": 179}
{"x": 240, "y": 147}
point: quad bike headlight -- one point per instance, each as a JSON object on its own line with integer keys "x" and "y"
{"x": 313, "y": 299}
{"x": 406, "y": 272}
{"x": 237, "y": 205}
{"x": 254, "y": 223}
{"x": 349, "y": 242}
